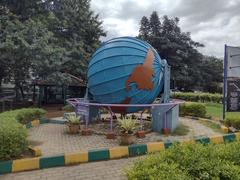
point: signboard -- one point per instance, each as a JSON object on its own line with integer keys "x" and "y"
{"x": 233, "y": 62}
{"x": 231, "y": 91}
{"x": 82, "y": 111}
{"x": 233, "y": 95}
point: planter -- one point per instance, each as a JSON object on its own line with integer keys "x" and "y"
{"x": 86, "y": 132}
{"x": 141, "y": 134}
{"x": 73, "y": 128}
{"x": 127, "y": 139}
{"x": 165, "y": 131}
{"x": 110, "y": 135}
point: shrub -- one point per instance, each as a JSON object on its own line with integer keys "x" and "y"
{"x": 150, "y": 169}
{"x": 13, "y": 139}
{"x": 232, "y": 120}
{"x": 13, "y": 136}
{"x": 127, "y": 126}
{"x": 194, "y": 161}
{"x": 193, "y": 109}
{"x": 68, "y": 108}
{"x": 26, "y": 115}
{"x": 198, "y": 97}
{"x": 73, "y": 119}
{"x": 23, "y": 115}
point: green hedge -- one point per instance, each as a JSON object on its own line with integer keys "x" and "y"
{"x": 23, "y": 115}
{"x": 198, "y": 97}
{"x": 68, "y": 108}
{"x": 232, "y": 120}
{"x": 26, "y": 115}
{"x": 197, "y": 161}
{"x": 13, "y": 136}
{"x": 193, "y": 109}
{"x": 13, "y": 140}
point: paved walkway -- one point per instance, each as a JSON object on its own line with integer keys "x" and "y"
{"x": 53, "y": 139}
{"x": 104, "y": 170}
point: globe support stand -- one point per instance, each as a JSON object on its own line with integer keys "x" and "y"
{"x": 164, "y": 115}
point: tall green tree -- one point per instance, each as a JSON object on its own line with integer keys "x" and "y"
{"x": 144, "y": 30}
{"x": 78, "y": 30}
{"x": 211, "y": 74}
{"x": 178, "y": 49}
{"x": 24, "y": 47}
{"x": 41, "y": 39}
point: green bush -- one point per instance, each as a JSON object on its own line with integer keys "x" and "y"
{"x": 232, "y": 120}
{"x": 150, "y": 169}
{"x": 193, "y": 109}
{"x": 23, "y": 115}
{"x": 190, "y": 162}
{"x": 26, "y": 115}
{"x": 13, "y": 136}
{"x": 13, "y": 139}
{"x": 198, "y": 97}
{"x": 68, "y": 108}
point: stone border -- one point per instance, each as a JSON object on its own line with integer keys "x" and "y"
{"x": 36, "y": 151}
{"x": 104, "y": 154}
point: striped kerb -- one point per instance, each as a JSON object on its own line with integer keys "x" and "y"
{"x": 25, "y": 164}
{"x": 75, "y": 158}
{"x": 35, "y": 123}
{"x": 118, "y": 152}
{"x": 5, "y": 167}
{"x": 168, "y": 144}
{"x": 155, "y": 147}
{"x": 216, "y": 139}
{"x": 53, "y": 161}
{"x": 229, "y": 137}
{"x": 137, "y": 149}
{"x": 98, "y": 155}
{"x": 203, "y": 140}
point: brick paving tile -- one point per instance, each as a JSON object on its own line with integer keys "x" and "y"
{"x": 53, "y": 139}
{"x": 103, "y": 170}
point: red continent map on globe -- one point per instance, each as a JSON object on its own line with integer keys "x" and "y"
{"x": 142, "y": 76}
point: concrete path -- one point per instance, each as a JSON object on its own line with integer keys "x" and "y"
{"x": 104, "y": 170}
{"x": 53, "y": 139}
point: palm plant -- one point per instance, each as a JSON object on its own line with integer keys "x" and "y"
{"x": 127, "y": 126}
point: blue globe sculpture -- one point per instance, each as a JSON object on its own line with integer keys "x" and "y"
{"x": 125, "y": 70}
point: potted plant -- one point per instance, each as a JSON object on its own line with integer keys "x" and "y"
{"x": 127, "y": 127}
{"x": 73, "y": 123}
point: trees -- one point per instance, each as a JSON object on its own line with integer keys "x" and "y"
{"x": 44, "y": 38}
{"x": 179, "y": 49}
{"x": 23, "y": 43}
{"x": 78, "y": 30}
{"x": 211, "y": 74}
{"x": 144, "y": 30}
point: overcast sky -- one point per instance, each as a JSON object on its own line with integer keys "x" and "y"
{"x": 211, "y": 22}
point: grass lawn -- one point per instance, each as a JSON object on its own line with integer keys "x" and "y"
{"x": 215, "y": 110}
{"x": 212, "y": 125}
{"x": 181, "y": 130}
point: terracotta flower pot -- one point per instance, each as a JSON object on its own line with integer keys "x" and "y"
{"x": 86, "y": 132}
{"x": 126, "y": 139}
{"x": 141, "y": 134}
{"x": 110, "y": 135}
{"x": 74, "y": 128}
{"x": 165, "y": 131}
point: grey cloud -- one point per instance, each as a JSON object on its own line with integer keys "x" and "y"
{"x": 211, "y": 22}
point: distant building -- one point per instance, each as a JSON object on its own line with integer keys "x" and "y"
{"x": 49, "y": 93}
